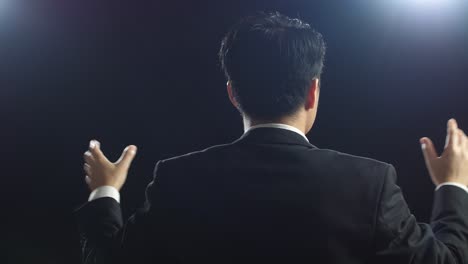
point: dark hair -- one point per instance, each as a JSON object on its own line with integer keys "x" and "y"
{"x": 271, "y": 60}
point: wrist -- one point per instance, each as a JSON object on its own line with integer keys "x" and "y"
{"x": 453, "y": 180}
{"x": 93, "y": 185}
{"x": 105, "y": 191}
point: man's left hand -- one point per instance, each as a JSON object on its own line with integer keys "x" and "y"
{"x": 101, "y": 172}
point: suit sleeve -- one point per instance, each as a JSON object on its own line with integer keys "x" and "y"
{"x": 106, "y": 239}
{"x": 100, "y": 224}
{"x": 399, "y": 238}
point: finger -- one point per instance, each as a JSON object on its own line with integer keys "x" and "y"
{"x": 93, "y": 144}
{"x": 452, "y": 124}
{"x": 88, "y": 157}
{"x": 87, "y": 169}
{"x": 462, "y": 138}
{"x": 465, "y": 146}
{"x": 461, "y": 133}
{"x": 452, "y": 137}
{"x": 95, "y": 149}
{"x": 429, "y": 151}
{"x": 127, "y": 157}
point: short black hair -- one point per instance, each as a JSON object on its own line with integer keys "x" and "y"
{"x": 271, "y": 60}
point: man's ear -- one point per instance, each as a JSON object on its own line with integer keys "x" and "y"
{"x": 312, "y": 95}
{"x": 232, "y": 98}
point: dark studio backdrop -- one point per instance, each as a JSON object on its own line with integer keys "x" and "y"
{"x": 146, "y": 73}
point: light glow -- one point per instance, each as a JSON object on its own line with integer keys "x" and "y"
{"x": 431, "y": 3}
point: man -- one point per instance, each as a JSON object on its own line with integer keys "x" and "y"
{"x": 271, "y": 196}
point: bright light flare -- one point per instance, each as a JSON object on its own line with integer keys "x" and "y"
{"x": 430, "y": 9}
{"x": 431, "y": 4}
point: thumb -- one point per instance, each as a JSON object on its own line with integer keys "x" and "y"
{"x": 428, "y": 150}
{"x": 127, "y": 157}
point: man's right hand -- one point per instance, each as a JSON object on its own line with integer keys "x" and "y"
{"x": 452, "y": 165}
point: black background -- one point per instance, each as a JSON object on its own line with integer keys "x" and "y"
{"x": 146, "y": 73}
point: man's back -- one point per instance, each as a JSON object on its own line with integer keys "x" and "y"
{"x": 273, "y": 196}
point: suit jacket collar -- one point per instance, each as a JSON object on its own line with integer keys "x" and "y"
{"x": 279, "y": 125}
{"x": 267, "y": 135}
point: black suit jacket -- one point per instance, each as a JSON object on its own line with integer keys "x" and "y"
{"x": 273, "y": 197}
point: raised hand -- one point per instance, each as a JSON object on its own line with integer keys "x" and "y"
{"x": 100, "y": 171}
{"x": 452, "y": 165}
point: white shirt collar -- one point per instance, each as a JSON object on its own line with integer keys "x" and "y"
{"x": 280, "y": 126}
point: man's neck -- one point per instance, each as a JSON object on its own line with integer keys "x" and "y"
{"x": 248, "y": 123}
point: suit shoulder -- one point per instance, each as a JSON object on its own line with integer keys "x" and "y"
{"x": 352, "y": 160}
{"x": 354, "y": 172}
{"x": 211, "y": 152}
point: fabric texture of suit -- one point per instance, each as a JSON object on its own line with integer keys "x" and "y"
{"x": 273, "y": 197}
